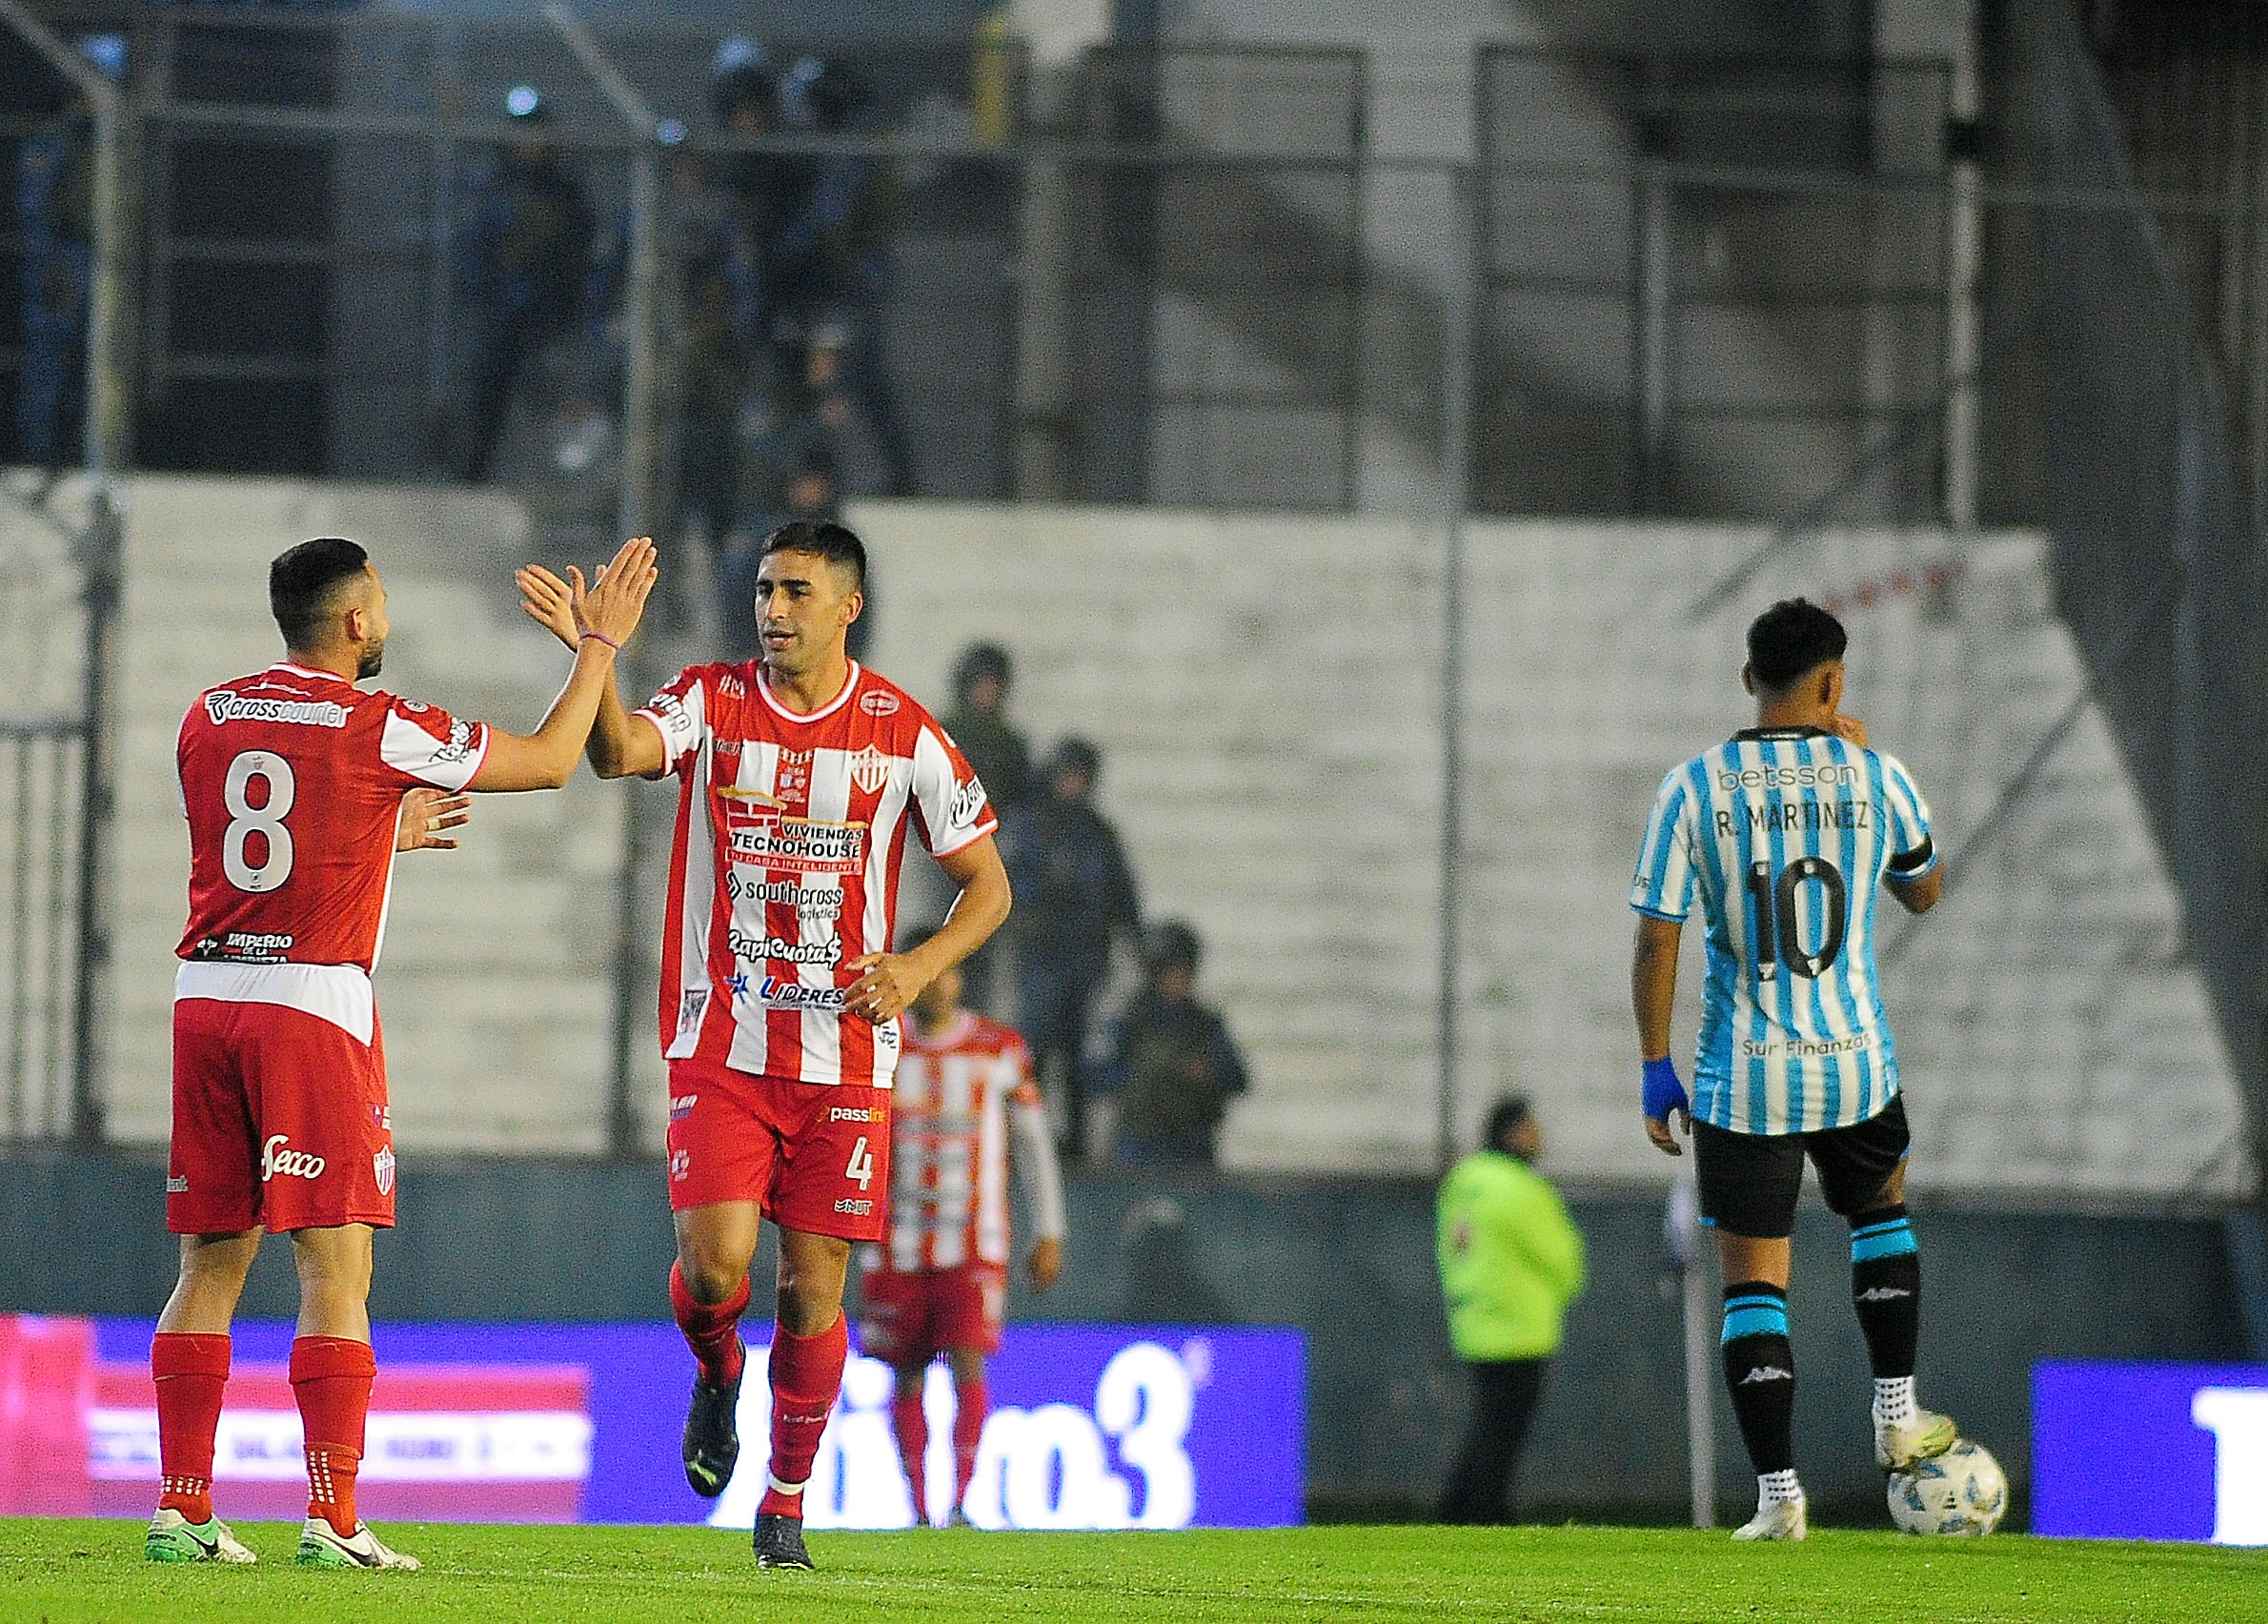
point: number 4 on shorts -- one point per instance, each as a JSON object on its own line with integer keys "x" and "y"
{"x": 862, "y": 1163}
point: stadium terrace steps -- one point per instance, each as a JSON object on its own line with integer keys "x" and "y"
{"x": 495, "y": 988}
{"x": 1267, "y": 692}
{"x": 2052, "y": 1031}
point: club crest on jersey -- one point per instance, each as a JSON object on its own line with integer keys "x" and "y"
{"x": 791, "y": 779}
{"x": 876, "y": 703}
{"x": 382, "y": 1163}
{"x": 870, "y": 769}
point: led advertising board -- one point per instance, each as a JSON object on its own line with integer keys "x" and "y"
{"x": 2151, "y": 1451}
{"x": 1091, "y": 1427}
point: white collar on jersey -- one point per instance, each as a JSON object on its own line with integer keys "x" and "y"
{"x": 763, "y": 686}
{"x": 303, "y": 671}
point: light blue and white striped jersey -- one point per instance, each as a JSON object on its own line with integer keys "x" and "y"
{"x": 1787, "y": 834}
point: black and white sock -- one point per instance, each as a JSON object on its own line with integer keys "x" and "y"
{"x": 1760, "y": 1370}
{"x": 1885, "y": 1291}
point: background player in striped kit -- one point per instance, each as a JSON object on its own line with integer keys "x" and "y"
{"x": 937, "y": 1284}
{"x": 1787, "y": 832}
{"x": 801, "y": 778}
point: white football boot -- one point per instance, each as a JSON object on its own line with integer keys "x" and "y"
{"x": 320, "y": 1546}
{"x": 1900, "y": 1448}
{"x": 1775, "y": 1519}
{"x": 173, "y": 1538}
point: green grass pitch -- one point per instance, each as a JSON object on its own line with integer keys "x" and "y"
{"x": 75, "y": 1573}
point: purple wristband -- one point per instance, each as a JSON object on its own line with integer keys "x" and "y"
{"x": 602, "y": 638}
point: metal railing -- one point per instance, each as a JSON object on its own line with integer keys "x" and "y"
{"x": 2159, "y": 565}
{"x": 1701, "y": 283}
{"x": 1701, "y": 288}
{"x": 1697, "y": 289}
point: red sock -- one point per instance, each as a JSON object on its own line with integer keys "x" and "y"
{"x": 189, "y": 1373}
{"x": 912, "y": 1422}
{"x": 712, "y": 1331}
{"x": 971, "y": 1404}
{"x": 806, "y": 1372}
{"x": 331, "y": 1377}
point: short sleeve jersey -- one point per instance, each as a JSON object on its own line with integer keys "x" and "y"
{"x": 949, "y": 1144}
{"x": 1786, "y": 835}
{"x": 791, "y": 833}
{"x": 292, "y": 782}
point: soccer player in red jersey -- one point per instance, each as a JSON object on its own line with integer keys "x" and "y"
{"x": 939, "y": 1281}
{"x": 299, "y": 787}
{"x": 801, "y": 777}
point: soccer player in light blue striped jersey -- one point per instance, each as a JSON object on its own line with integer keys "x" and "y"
{"x": 1787, "y": 834}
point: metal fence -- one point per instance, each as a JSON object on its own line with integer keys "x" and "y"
{"x": 1681, "y": 311}
{"x": 2159, "y": 563}
{"x": 45, "y": 1081}
{"x": 1705, "y": 287}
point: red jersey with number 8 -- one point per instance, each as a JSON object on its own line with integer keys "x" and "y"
{"x": 293, "y": 780}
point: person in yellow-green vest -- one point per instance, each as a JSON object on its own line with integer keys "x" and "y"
{"x": 1511, "y": 1260}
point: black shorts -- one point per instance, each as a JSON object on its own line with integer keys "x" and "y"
{"x": 1748, "y": 1181}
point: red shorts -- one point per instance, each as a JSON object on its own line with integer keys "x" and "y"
{"x": 814, "y": 1156}
{"x": 279, "y": 1120}
{"x": 907, "y": 1319}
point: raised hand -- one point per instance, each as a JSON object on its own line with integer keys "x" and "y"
{"x": 550, "y": 601}
{"x": 1848, "y": 728}
{"x": 611, "y": 607}
{"x": 424, "y": 814}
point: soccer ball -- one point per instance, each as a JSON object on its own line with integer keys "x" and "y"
{"x": 1960, "y": 1492}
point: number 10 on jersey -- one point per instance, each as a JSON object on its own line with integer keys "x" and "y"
{"x": 1778, "y": 933}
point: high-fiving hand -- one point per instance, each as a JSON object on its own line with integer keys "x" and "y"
{"x": 610, "y": 605}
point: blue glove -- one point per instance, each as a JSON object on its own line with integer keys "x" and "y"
{"x": 1662, "y": 1092}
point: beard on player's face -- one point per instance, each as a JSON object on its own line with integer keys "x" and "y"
{"x": 372, "y": 660}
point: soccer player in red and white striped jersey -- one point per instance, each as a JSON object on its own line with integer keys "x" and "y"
{"x": 298, "y": 788}
{"x": 801, "y": 778}
{"x": 937, "y": 1284}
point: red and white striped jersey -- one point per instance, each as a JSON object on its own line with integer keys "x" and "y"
{"x": 791, "y": 832}
{"x": 291, "y": 780}
{"x": 960, "y": 1094}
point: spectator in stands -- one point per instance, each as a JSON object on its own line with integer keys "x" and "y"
{"x": 1074, "y": 897}
{"x": 790, "y": 471}
{"x": 55, "y": 216}
{"x": 1169, "y": 1062}
{"x": 833, "y": 251}
{"x": 978, "y": 723}
{"x": 1511, "y": 1260}
{"x": 530, "y": 264}
{"x": 760, "y": 189}
{"x": 713, "y": 379}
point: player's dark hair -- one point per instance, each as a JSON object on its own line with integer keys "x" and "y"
{"x": 303, "y": 584}
{"x": 1507, "y": 1116}
{"x": 1790, "y": 638}
{"x": 823, "y": 538}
